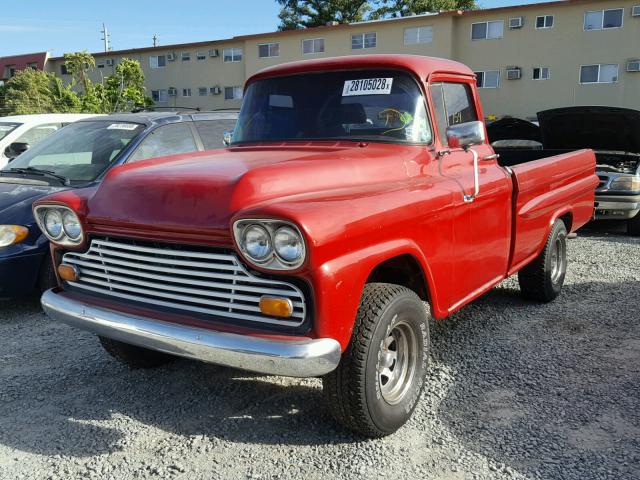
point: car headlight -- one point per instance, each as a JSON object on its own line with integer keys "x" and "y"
{"x": 59, "y": 224}
{"x": 12, "y": 234}
{"x": 626, "y": 183}
{"x": 271, "y": 244}
{"x": 288, "y": 244}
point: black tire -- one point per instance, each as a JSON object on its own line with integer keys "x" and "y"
{"x": 46, "y": 277}
{"x": 134, "y": 357}
{"x": 543, "y": 278}
{"x": 356, "y": 392}
{"x": 633, "y": 226}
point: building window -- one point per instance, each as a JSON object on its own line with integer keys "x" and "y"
{"x": 541, "y": 73}
{"x": 232, "y": 54}
{"x": 100, "y": 64}
{"x": 266, "y": 50}
{"x": 312, "y": 45}
{"x": 488, "y": 79}
{"x": 232, "y": 93}
{"x": 63, "y": 70}
{"x": 603, "y": 19}
{"x": 159, "y": 96}
{"x": 186, "y": 56}
{"x": 33, "y": 66}
{"x": 186, "y": 92}
{"x": 364, "y": 40}
{"x": 487, "y": 30}
{"x": 201, "y": 56}
{"x": 416, "y": 35}
{"x": 544, "y": 21}
{"x": 203, "y": 91}
{"x": 602, "y": 73}
{"x": 159, "y": 61}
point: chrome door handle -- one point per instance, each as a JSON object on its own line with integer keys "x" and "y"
{"x": 493, "y": 156}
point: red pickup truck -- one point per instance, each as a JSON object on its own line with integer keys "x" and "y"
{"x": 358, "y": 199}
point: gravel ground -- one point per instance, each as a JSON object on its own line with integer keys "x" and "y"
{"x": 516, "y": 390}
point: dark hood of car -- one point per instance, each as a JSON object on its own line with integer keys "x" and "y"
{"x": 599, "y": 128}
{"x": 510, "y": 128}
{"x": 16, "y": 199}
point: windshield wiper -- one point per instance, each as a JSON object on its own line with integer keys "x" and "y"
{"x": 37, "y": 171}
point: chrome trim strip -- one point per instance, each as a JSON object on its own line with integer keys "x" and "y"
{"x": 294, "y": 358}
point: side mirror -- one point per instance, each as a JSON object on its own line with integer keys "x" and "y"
{"x": 227, "y": 138}
{"x": 15, "y": 149}
{"x": 465, "y": 135}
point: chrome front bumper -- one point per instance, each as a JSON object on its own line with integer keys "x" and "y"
{"x": 294, "y": 358}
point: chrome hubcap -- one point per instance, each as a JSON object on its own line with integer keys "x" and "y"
{"x": 557, "y": 260}
{"x": 397, "y": 363}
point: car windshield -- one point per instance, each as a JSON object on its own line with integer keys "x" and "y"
{"x": 80, "y": 151}
{"x": 365, "y": 105}
{"x": 7, "y": 128}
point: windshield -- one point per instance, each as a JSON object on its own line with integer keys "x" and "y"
{"x": 369, "y": 105}
{"x": 80, "y": 151}
{"x": 7, "y": 128}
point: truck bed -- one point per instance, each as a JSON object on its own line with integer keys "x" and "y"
{"x": 547, "y": 187}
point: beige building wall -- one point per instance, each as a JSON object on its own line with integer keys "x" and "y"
{"x": 563, "y": 48}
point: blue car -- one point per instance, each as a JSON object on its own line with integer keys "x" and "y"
{"x": 77, "y": 156}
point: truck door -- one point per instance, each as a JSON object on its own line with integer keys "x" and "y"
{"x": 483, "y": 232}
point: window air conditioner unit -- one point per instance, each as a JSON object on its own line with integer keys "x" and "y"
{"x": 173, "y": 91}
{"x": 633, "y": 66}
{"x": 109, "y": 62}
{"x": 214, "y": 52}
{"x": 171, "y": 57}
{"x": 516, "y": 22}
{"x": 215, "y": 90}
{"x": 635, "y": 11}
{"x": 514, "y": 73}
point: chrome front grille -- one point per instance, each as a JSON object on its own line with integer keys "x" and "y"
{"x": 181, "y": 278}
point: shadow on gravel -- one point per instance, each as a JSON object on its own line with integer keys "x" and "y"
{"x": 551, "y": 387}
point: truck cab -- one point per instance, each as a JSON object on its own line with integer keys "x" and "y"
{"x": 359, "y": 198}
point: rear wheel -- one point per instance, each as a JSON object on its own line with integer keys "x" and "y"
{"x": 543, "y": 278}
{"x": 376, "y": 387}
{"x": 633, "y": 225}
{"x": 132, "y": 356}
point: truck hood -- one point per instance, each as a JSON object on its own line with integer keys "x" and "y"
{"x": 203, "y": 191}
{"x": 598, "y": 128}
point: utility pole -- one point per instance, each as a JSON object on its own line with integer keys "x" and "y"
{"x": 155, "y": 40}
{"x": 106, "y": 38}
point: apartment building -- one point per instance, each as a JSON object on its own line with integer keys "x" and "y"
{"x": 527, "y": 58}
{"x": 14, "y": 63}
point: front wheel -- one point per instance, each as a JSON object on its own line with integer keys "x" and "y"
{"x": 376, "y": 387}
{"x": 543, "y": 278}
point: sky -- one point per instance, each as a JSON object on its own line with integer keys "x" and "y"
{"x": 28, "y": 26}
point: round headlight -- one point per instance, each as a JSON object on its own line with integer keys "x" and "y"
{"x": 53, "y": 223}
{"x": 256, "y": 242}
{"x": 288, "y": 244}
{"x": 71, "y": 225}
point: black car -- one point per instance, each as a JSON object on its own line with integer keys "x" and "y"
{"x": 79, "y": 155}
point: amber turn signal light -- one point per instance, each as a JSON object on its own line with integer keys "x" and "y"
{"x": 68, "y": 273}
{"x": 276, "y": 307}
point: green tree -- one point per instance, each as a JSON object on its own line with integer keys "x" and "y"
{"x": 33, "y": 91}
{"x": 313, "y": 13}
{"x": 296, "y": 14}
{"x": 124, "y": 90}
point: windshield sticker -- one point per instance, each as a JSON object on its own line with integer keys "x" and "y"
{"x": 122, "y": 126}
{"x": 367, "y": 86}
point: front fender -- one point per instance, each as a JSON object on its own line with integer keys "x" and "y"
{"x": 339, "y": 282}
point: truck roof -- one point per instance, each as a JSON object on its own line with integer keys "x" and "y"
{"x": 422, "y": 66}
